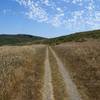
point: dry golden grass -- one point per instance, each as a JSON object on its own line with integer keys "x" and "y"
{"x": 83, "y": 62}
{"x": 21, "y": 72}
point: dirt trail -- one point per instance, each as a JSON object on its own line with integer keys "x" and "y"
{"x": 70, "y": 86}
{"x": 48, "y": 88}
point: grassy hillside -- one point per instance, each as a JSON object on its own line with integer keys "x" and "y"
{"x": 29, "y": 39}
{"x": 19, "y": 39}
{"x": 77, "y": 37}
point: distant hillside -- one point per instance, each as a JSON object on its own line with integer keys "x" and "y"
{"x": 19, "y": 39}
{"x": 77, "y": 37}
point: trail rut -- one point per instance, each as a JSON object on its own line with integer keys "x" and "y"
{"x": 48, "y": 88}
{"x": 70, "y": 86}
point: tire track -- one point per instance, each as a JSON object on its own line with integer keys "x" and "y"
{"x": 59, "y": 86}
{"x": 70, "y": 86}
{"x": 48, "y": 88}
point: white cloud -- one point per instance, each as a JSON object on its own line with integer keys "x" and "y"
{"x": 57, "y": 20}
{"x": 76, "y": 1}
{"x": 57, "y": 14}
{"x": 6, "y": 11}
{"x": 34, "y": 10}
{"x": 46, "y": 2}
{"x": 97, "y": 15}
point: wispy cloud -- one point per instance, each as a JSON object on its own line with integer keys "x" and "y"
{"x": 5, "y": 11}
{"x": 11, "y": 12}
{"x": 58, "y": 14}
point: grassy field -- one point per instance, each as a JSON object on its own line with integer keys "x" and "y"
{"x": 21, "y": 72}
{"x": 23, "y": 64}
{"x": 83, "y": 62}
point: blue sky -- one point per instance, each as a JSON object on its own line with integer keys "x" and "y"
{"x": 48, "y": 18}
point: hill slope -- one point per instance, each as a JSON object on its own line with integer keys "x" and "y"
{"x": 76, "y": 37}
{"x": 19, "y": 39}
